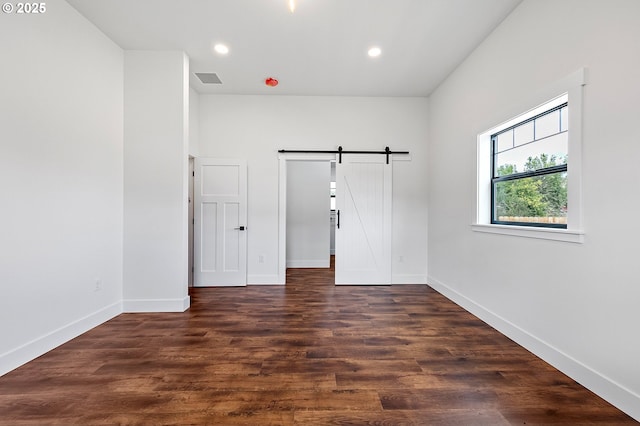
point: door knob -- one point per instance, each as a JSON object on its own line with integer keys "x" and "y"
{"x": 241, "y": 228}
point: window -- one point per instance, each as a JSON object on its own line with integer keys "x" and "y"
{"x": 529, "y": 171}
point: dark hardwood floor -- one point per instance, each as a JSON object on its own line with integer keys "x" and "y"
{"x": 306, "y": 353}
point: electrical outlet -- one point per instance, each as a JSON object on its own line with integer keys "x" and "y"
{"x": 261, "y": 258}
{"x": 98, "y": 284}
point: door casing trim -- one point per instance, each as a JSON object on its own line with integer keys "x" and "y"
{"x": 282, "y": 203}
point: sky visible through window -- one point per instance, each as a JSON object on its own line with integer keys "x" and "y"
{"x": 547, "y": 134}
{"x": 552, "y": 146}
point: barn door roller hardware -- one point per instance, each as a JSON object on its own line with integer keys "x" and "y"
{"x": 341, "y": 151}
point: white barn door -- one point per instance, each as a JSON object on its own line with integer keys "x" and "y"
{"x": 220, "y": 214}
{"x": 363, "y": 219}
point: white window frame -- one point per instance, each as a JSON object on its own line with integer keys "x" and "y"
{"x": 568, "y": 90}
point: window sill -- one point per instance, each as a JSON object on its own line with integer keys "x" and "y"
{"x": 570, "y": 236}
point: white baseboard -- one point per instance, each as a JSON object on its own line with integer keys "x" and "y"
{"x": 308, "y": 263}
{"x": 277, "y": 280}
{"x": 33, "y": 349}
{"x": 616, "y": 394}
{"x": 156, "y": 305}
{"x": 408, "y": 279}
{"x": 264, "y": 280}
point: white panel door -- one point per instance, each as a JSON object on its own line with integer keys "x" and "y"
{"x": 220, "y": 213}
{"x": 363, "y": 213}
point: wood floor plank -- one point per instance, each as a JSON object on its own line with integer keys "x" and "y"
{"x": 458, "y": 417}
{"x": 438, "y": 398}
{"x": 247, "y": 382}
{"x": 308, "y": 353}
{"x": 385, "y": 379}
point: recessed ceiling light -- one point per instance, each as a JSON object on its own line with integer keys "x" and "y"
{"x": 374, "y": 52}
{"x": 221, "y": 49}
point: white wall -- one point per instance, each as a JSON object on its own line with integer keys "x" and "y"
{"x": 61, "y": 181}
{"x": 194, "y": 122}
{"x": 194, "y": 133}
{"x": 255, "y": 127}
{"x": 573, "y": 304}
{"x": 156, "y": 127}
{"x": 308, "y": 209}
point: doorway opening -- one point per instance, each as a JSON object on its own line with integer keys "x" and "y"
{"x": 304, "y": 212}
{"x": 316, "y": 277}
{"x": 308, "y": 211}
{"x": 190, "y": 216}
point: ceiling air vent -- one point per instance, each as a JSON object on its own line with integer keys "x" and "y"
{"x": 208, "y": 77}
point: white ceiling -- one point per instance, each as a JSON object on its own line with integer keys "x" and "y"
{"x": 320, "y": 49}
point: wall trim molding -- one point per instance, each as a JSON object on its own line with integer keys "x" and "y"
{"x": 156, "y": 305}
{"x": 408, "y": 279}
{"x": 265, "y": 280}
{"x": 398, "y": 279}
{"x": 43, "y": 344}
{"x": 616, "y": 394}
{"x": 308, "y": 263}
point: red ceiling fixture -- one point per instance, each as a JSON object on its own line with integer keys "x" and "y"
{"x": 271, "y": 82}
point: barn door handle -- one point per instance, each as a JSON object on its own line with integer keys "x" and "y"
{"x": 240, "y": 228}
{"x": 338, "y": 222}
